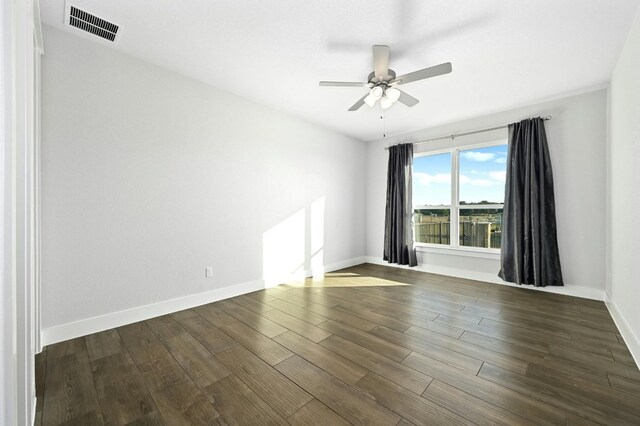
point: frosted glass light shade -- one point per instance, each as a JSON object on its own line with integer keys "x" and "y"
{"x": 370, "y": 100}
{"x": 376, "y": 92}
{"x": 393, "y": 94}
{"x": 385, "y": 102}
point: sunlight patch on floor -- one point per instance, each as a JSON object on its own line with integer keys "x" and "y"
{"x": 345, "y": 280}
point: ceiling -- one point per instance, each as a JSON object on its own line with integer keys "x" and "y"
{"x": 504, "y": 53}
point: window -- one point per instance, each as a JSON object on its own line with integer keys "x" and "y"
{"x": 460, "y": 192}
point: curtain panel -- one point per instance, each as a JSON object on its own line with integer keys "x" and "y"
{"x": 529, "y": 253}
{"x": 398, "y": 224}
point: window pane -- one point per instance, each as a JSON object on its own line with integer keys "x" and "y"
{"x": 432, "y": 226}
{"x": 481, "y": 228}
{"x": 482, "y": 175}
{"x": 432, "y": 180}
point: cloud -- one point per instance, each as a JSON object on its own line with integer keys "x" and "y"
{"x": 483, "y": 182}
{"x": 478, "y": 156}
{"x": 494, "y": 178}
{"x": 500, "y": 176}
{"x": 426, "y": 179}
{"x": 501, "y": 160}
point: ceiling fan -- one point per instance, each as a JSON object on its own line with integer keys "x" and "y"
{"x": 382, "y": 81}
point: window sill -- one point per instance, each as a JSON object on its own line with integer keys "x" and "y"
{"x": 459, "y": 251}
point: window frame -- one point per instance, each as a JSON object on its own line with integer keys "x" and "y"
{"x": 455, "y": 207}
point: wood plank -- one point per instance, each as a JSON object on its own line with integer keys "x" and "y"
{"x": 419, "y": 341}
{"x": 572, "y": 322}
{"x": 369, "y": 341}
{"x": 141, "y": 343}
{"x": 280, "y": 393}
{"x": 517, "y": 403}
{"x": 181, "y": 315}
{"x": 258, "y": 322}
{"x": 161, "y": 373}
{"x": 625, "y": 385}
{"x": 474, "y": 409}
{"x": 70, "y": 392}
{"x": 184, "y": 404}
{"x": 314, "y": 412}
{"x": 252, "y": 304}
{"x": 334, "y": 364}
{"x": 349, "y": 403}
{"x": 239, "y": 405}
{"x": 207, "y": 334}
{"x": 535, "y": 359}
{"x": 416, "y": 409}
{"x": 103, "y": 344}
{"x": 341, "y": 316}
{"x": 549, "y": 392}
{"x": 573, "y": 420}
{"x": 568, "y": 369}
{"x": 559, "y": 354}
{"x": 463, "y": 356}
{"x": 304, "y": 314}
{"x": 421, "y": 319}
{"x": 41, "y": 371}
{"x": 376, "y": 318}
{"x": 294, "y": 299}
{"x": 153, "y": 418}
{"x": 200, "y": 364}
{"x": 68, "y": 347}
{"x": 261, "y": 296}
{"x": 400, "y": 374}
{"x": 292, "y": 323}
{"x": 259, "y": 344}
{"x": 623, "y": 356}
{"x": 165, "y": 327}
{"x": 583, "y": 389}
{"x": 92, "y": 418}
{"x": 551, "y": 326}
{"x": 121, "y": 392}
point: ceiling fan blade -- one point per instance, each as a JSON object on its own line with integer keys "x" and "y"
{"x": 407, "y": 99}
{"x": 358, "y": 104}
{"x": 342, "y": 84}
{"x": 380, "y": 60}
{"x": 424, "y": 73}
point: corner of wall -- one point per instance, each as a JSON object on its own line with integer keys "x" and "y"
{"x": 626, "y": 331}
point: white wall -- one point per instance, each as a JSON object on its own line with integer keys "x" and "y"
{"x": 149, "y": 177}
{"x": 623, "y": 290}
{"x": 577, "y": 145}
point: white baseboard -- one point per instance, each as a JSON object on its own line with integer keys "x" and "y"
{"x": 99, "y": 323}
{"x": 344, "y": 264}
{"x": 630, "y": 338}
{"x": 570, "y": 290}
{"x": 95, "y": 324}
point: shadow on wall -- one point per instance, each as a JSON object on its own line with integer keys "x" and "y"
{"x": 292, "y": 250}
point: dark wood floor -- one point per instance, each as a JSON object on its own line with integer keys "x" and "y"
{"x": 366, "y": 345}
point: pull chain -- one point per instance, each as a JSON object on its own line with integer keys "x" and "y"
{"x": 384, "y": 125}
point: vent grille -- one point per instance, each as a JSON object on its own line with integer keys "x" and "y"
{"x": 92, "y": 24}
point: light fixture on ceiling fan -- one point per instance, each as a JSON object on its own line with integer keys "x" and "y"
{"x": 382, "y": 82}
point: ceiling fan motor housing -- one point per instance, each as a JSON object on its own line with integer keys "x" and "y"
{"x": 372, "y": 79}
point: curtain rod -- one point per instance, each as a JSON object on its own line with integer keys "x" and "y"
{"x": 452, "y": 137}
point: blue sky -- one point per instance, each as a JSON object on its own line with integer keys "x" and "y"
{"x": 482, "y": 176}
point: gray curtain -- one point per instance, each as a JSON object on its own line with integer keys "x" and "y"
{"x": 398, "y": 224}
{"x": 529, "y": 253}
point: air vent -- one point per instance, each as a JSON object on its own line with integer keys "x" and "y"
{"x": 92, "y": 24}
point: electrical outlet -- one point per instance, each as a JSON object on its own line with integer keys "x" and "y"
{"x": 208, "y": 272}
